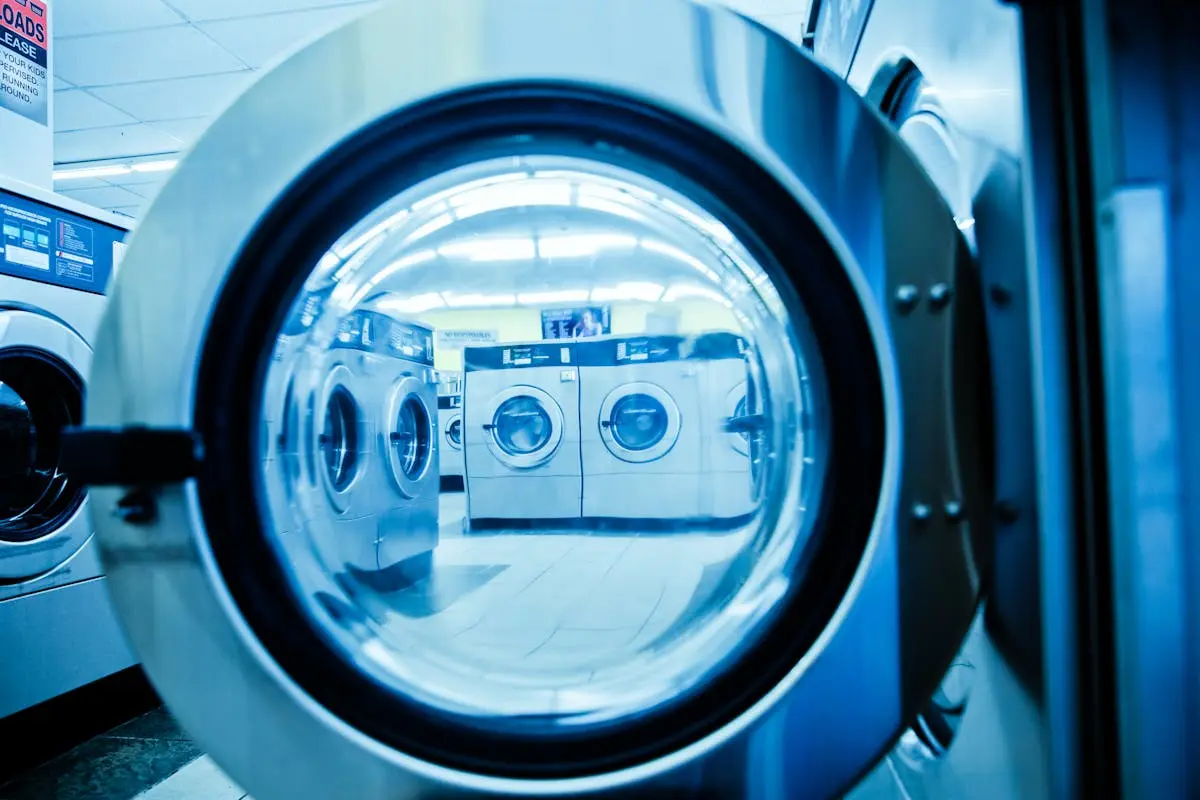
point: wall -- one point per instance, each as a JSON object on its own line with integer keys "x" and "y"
{"x": 525, "y": 324}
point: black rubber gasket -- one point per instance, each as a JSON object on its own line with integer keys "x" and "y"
{"x": 372, "y": 167}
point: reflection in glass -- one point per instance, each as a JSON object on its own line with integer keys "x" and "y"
{"x": 598, "y": 581}
{"x": 638, "y": 422}
{"x": 522, "y": 426}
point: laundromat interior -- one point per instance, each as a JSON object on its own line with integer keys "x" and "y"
{"x": 758, "y": 399}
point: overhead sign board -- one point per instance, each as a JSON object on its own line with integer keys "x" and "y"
{"x": 458, "y": 339}
{"x": 25, "y": 59}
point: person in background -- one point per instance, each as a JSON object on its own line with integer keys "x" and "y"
{"x": 587, "y": 325}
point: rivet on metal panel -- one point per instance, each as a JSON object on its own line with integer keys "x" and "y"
{"x": 940, "y": 295}
{"x": 1007, "y": 512}
{"x": 953, "y": 510}
{"x": 921, "y": 512}
{"x": 907, "y": 297}
{"x": 1001, "y": 295}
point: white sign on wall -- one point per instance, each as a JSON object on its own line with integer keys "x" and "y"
{"x": 457, "y": 340}
{"x": 25, "y": 59}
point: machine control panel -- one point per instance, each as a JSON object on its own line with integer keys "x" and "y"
{"x": 43, "y": 243}
{"x": 519, "y": 356}
{"x": 372, "y": 332}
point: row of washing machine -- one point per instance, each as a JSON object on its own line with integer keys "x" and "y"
{"x": 620, "y": 429}
{"x": 351, "y": 457}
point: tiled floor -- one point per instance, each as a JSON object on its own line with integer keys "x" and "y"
{"x": 554, "y": 603}
{"x": 118, "y": 765}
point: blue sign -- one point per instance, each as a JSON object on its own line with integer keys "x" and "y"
{"x": 47, "y": 244}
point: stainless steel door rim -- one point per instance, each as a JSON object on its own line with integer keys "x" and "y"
{"x": 695, "y": 70}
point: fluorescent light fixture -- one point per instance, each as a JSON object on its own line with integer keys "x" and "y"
{"x": 479, "y": 300}
{"x": 708, "y": 225}
{"x": 414, "y": 304}
{"x": 373, "y": 233}
{"x": 687, "y": 290}
{"x": 402, "y": 263}
{"x": 469, "y": 186}
{"x": 109, "y": 171}
{"x": 563, "y": 296}
{"x": 115, "y": 170}
{"x": 672, "y": 252}
{"x": 490, "y": 249}
{"x": 434, "y": 225}
{"x": 614, "y": 208}
{"x": 964, "y": 223}
{"x": 155, "y": 166}
{"x": 632, "y": 290}
{"x": 582, "y": 245}
{"x": 511, "y": 195}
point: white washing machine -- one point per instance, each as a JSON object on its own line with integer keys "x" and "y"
{"x": 692, "y": 141}
{"x": 57, "y": 628}
{"x": 727, "y": 429}
{"x": 642, "y": 417}
{"x": 521, "y": 405}
{"x": 450, "y": 423}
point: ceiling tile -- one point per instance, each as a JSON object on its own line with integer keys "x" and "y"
{"x": 80, "y": 183}
{"x": 204, "y": 10}
{"x": 155, "y": 54}
{"x": 84, "y": 17}
{"x": 176, "y": 99}
{"x": 139, "y": 182}
{"x": 185, "y": 130}
{"x": 122, "y": 141}
{"x": 133, "y": 212}
{"x": 261, "y": 39}
{"x": 75, "y": 109}
{"x": 103, "y": 197}
{"x": 60, "y": 84}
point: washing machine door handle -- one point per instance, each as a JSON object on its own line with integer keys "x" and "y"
{"x": 746, "y": 423}
{"x": 489, "y": 427}
{"x": 606, "y": 423}
{"x": 401, "y": 436}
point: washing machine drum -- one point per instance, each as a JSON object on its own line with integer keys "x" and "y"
{"x": 444, "y": 161}
{"x": 523, "y": 426}
{"x": 454, "y": 433}
{"x": 639, "y": 422}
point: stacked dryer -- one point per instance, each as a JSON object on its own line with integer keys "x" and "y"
{"x": 374, "y": 446}
{"x": 57, "y": 629}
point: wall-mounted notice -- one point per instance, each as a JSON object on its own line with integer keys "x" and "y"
{"x": 25, "y": 59}
{"x": 576, "y": 323}
{"x": 43, "y": 243}
{"x": 458, "y": 339}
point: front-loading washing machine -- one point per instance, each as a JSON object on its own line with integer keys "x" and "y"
{"x": 58, "y": 631}
{"x": 641, "y": 416}
{"x": 730, "y": 425}
{"x": 521, "y": 434}
{"x": 754, "y": 175}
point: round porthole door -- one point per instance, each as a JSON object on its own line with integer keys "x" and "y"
{"x": 43, "y": 519}
{"x": 527, "y": 169}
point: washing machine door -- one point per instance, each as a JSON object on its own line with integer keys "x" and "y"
{"x": 639, "y": 422}
{"x": 43, "y": 517}
{"x": 470, "y": 163}
{"x": 736, "y": 409}
{"x": 526, "y": 427}
{"x": 411, "y": 446}
{"x": 454, "y": 431}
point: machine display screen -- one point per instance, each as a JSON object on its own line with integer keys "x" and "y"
{"x": 47, "y": 244}
{"x": 575, "y": 323}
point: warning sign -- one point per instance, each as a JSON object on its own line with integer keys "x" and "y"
{"x": 24, "y": 59}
